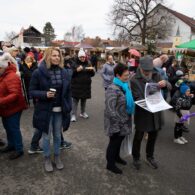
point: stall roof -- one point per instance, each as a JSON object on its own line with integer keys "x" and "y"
{"x": 84, "y": 46}
{"x": 119, "y": 49}
{"x": 187, "y": 45}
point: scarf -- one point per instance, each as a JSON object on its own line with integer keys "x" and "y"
{"x": 128, "y": 95}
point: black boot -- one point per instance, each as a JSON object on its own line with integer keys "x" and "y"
{"x": 137, "y": 164}
{"x": 2, "y": 143}
{"x": 121, "y": 161}
{"x": 114, "y": 169}
{"x": 152, "y": 163}
{"x": 16, "y": 155}
{"x": 6, "y": 149}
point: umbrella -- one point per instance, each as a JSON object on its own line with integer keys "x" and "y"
{"x": 135, "y": 52}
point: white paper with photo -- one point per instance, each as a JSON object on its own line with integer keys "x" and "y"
{"x": 154, "y": 101}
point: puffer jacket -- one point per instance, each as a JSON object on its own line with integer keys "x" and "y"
{"x": 107, "y": 74}
{"x": 11, "y": 95}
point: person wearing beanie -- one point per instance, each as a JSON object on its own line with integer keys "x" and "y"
{"x": 14, "y": 53}
{"x": 81, "y": 53}
{"x": 182, "y": 105}
{"x": 12, "y": 103}
{"x": 145, "y": 121}
{"x": 81, "y": 84}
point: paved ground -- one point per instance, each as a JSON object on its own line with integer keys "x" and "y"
{"x": 84, "y": 172}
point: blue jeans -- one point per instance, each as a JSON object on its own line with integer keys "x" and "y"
{"x": 12, "y": 127}
{"x": 55, "y": 127}
{"x": 37, "y": 137}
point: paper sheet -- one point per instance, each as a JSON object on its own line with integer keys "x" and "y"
{"x": 154, "y": 101}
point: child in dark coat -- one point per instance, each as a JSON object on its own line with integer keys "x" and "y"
{"x": 183, "y": 104}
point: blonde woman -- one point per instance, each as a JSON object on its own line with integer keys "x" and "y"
{"x": 50, "y": 85}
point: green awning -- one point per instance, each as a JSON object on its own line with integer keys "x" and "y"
{"x": 187, "y": 45}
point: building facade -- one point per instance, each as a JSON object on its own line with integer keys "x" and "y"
{"x": 29, "y": 37}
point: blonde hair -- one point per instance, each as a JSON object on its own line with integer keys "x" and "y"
{"x": 29, "y": 58}
{"x": 47, "y": 57}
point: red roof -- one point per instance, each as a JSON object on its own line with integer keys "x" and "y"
{"x": 65, "y": 43}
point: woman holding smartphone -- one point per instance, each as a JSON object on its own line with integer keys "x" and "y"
{"x": 50, "y": 85}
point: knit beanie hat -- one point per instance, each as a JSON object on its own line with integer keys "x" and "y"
{"x": 179, "y": 73}
{"x": 157, "y": 63}
{"x": 5, "y": 59}
{"x": 10, "y": 49}
{"x": 81, "y": 53}
{"x": 184, "y": 88}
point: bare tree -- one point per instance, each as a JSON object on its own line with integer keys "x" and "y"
{"x": 75, "y": 34}
{"x": 139, "y": 20}
{"x": 9, "y": 36}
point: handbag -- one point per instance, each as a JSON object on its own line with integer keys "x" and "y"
{"x": 127, "y": 144}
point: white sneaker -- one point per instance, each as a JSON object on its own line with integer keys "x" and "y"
{"x": 178, "y": 141}
{"x": 84, "y": 115}
{"x": 184, "y": 140}
{"x": 73, "y": 118}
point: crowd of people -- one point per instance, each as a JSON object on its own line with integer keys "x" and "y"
{"x": 56, "y": 84}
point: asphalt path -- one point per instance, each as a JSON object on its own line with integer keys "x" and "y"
{"x": 84, "y": 170}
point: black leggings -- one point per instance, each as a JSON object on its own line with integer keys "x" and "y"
{"x": 178, "y": 131}
{"x": 113, "y": 150}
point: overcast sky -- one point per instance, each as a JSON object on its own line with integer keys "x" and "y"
{"x": 63, "y": 14}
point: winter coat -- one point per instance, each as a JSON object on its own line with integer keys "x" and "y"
{"x": 26, "y": 74}
{"x": 171, "y": 73}
{"x": 116, "y": 118}
{"x": 39, "y": 86}
{"x": 81, "y": 81}
{"x": 94, "y": 60}
{"x": 145, "y": 120}
{"x": 107, "y": 74}
{"x": 182, "y": 102}
{"x": 11, "y": 95}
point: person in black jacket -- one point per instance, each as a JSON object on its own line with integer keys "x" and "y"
{"x": 50, "y": 85}
{"x": 94, "y": 61}
{"x": 144, "y": 120}
{"x": 27, "y": 69}
{"x": 81, "y": 84}
{"x": 174, "y": 74}
{"x": 182, "y": 106}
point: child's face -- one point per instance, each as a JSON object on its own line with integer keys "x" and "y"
{"x": 187, "y": 93}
